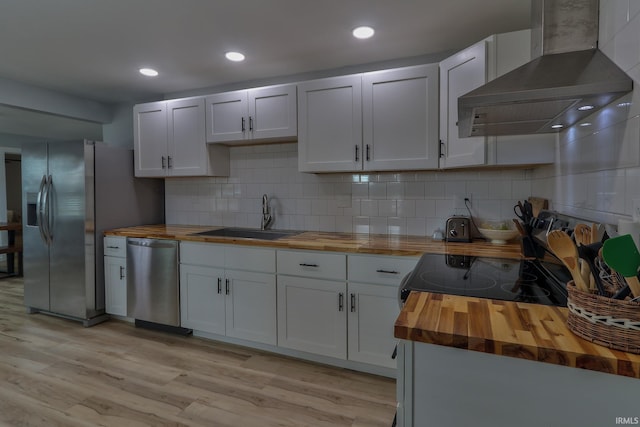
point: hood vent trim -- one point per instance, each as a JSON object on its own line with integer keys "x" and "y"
{"x": 544, "y": 92}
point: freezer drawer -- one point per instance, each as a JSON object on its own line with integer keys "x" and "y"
{"x": 153, "y": 294}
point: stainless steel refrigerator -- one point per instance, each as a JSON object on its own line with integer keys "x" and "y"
{"x": 72, "y": 192}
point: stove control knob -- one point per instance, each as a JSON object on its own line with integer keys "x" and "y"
{"x": 453, "y": 233}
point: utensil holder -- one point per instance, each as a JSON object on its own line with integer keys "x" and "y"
{"x": 604, "y": 321}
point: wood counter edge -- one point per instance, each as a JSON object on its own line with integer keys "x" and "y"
{"x": 586, "y": 355}
{"x": 356, "y": 243}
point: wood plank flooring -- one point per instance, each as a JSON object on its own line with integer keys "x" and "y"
{"x": 54, "y": 372}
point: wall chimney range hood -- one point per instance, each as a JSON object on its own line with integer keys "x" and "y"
{"x": 569, "y": 80}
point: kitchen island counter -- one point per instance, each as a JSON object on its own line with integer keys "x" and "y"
{"x": 327, "y": 241}
{"x": 522, "y": 330}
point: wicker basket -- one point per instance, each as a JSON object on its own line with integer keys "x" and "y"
{"x": 604, "y": 321}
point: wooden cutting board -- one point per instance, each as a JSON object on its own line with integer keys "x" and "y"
{"x": 538, "y": 204}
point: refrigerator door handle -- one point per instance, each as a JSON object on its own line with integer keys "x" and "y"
{"x": 40, "y": 208}
{"x": 47, "y": 211}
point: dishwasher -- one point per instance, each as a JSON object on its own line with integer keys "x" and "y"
{"x": 153, "y": 291}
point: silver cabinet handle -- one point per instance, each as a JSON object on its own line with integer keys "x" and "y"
{"x": 242, "y": 124}
{"x": 250, "y": 124}
{"x": 357, "y": 153}
{"x": 387, "y": 271}
{"x": 219, "y": 285}
{"x": 443, "y": 147}
{"x": 113, "y": 247}
{"x": 226, "y": 286}
{"x": 368, "y": 157}
{"x": 353, "y": 303}
{"x": 304, "y": 264}
{"x": 169, "y": 164}
{"x": 163, "y": 163}
{"x": 121, "y": 272}
{"x": 340, "y": 301}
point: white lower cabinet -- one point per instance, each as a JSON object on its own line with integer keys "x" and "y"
{"x": 373, "y": 310}
{"x": 321, "y": 313}
{"x": 236, "y": 303}
{"x": 115, "y": 275}
{"x": 373, "y": 306}
{"x": 312, "y": 315}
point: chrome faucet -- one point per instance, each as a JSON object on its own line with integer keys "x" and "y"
{"x": 267, "y": 219}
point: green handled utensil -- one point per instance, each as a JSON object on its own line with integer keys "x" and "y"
{"x": 621, "y": 254}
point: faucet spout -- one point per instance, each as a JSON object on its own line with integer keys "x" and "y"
{"x": 267, "y": 219}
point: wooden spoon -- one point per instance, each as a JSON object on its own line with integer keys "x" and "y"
{"x": 582, "y": 236}
{"x": 564, "y": 248}
{"x": 621, "y": 254}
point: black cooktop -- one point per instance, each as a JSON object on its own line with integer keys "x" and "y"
{"x": 483, "y": 277}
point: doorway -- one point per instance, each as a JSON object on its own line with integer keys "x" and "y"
{"x": 13, "y": 197}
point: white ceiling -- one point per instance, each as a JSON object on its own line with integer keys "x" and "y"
{"x": 93, "y": 48}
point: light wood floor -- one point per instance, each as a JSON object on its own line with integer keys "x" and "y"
{"x": 54, "y": 372}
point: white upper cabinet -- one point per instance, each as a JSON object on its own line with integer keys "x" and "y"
{"x": 150, "y": 139}
{"x": 330, "y": 124}
{"x": 169, "y": 140}
{"x": 400, "y": 118}
{"x": 383, "y": 120}
{"x": 260, "y": 114}
{"x": 459, "y": 74}
{"x": 468, "y": 70}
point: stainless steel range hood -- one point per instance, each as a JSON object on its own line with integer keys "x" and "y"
{"x": 571, "y": 79}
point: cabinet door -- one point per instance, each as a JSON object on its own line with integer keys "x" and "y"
{"x": 312, "y": 316}
{"x": 373, "y": 310}
{"x": 150, "y": 139}
{"x": 187, "y": 149}
{"x": 330, "y": 125}
{"x": 251, "y": 306}
{"x": 400, "y": 118}
{"x": 115, "y": 286}
{"x": 202, "y": 298}
{"x": 459, "y": 74}
{"x": 273, "y": 112}
{"x": 227, "y": 116}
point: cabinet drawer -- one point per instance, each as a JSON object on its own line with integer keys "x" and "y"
{"x": 312, "y": 264}
{"x": 228, "y": 256}
{"x": 115, "y": 246}
{"x": 205, "y": 254}
{"x": 384, "y": 270}
{"x": 251, "y": 259}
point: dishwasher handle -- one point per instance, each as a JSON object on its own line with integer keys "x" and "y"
{"x": 151, "y": 243}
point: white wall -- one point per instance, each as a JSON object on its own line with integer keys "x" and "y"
{"x": 597, "y": 171}
{"x": 414, "y": 203}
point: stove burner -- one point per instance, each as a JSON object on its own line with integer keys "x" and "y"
{"x": 476, "y": 281}
{"x": 527, "y": 291}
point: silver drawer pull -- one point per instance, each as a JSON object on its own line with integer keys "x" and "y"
{"x": 303, "y": 264}
{"x": 387, "y": 271}
{"x": 113, "y": 247}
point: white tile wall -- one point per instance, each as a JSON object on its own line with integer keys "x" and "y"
{"x": 597, "y": 170}
{"x": 414, "y": 203}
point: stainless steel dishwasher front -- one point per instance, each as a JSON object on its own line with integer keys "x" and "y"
{"x": 153, "y": 294}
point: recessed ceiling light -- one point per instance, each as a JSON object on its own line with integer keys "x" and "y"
{"x": 363, "y": 32}
{"x": 586, "y": 108}
{"x": 558, "y": 126}
{"x": 234, "y": 56}
{"x": 585, "y": 124}
{"x": 149, "y": 72}
{"x": 624, "y": 104}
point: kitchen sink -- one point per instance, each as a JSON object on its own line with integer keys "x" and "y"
{"x": 248, "y": 233}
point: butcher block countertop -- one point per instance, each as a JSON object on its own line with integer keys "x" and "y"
{"x": 527, "y": 331}
{"x": 337, "y": 242}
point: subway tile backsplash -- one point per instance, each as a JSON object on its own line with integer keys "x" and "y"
{"x": 404, "y": 203}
